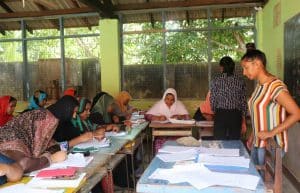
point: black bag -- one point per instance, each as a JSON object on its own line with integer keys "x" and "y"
{"x": 198, "y": 116}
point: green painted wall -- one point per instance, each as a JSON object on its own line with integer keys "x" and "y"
{"x": 270, "y": 37}
{"x": 110, "y": 56}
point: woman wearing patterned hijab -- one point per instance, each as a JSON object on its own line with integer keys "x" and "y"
{"x": 27, "y": 140}
{"x": 7, "y": 107}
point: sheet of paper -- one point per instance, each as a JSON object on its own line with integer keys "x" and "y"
{"x": 115, "y": 134}
{"x": 163, "y": 122}
{"x": 200, "y": 177}
{"x": 178, "y": 149}
{"x": 55, "y": 183}
{"x": 73, "y": 160}
{"x": 219, "y": 151}
{"x": 170, "y": 157}
{"x": 224, "y": 161}
{"x": 27, "y": 189}
{"x": 177, "y": 121}
{"x": 94, "y": 144}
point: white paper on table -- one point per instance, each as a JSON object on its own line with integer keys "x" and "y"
{"x": 179, "y": 121}
{"x": 163, "y": 122}
{"x": 55, "y": 183}
{"x": 172, "y": 157}
{"x": 115, "y": 134}
{"x": 73, "y": 160}
{"x": 178, "y": 149}
{"x": 219, "y": 151}
{"x": 26, "y": 189}
{"x": 94, "y": 143}
{"x": 224, "y": 161}
{"x": 200, "y": 177}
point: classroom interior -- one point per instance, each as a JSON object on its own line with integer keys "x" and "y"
{"x": 116, "y": 45}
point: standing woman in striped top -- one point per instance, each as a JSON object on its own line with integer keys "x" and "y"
{"x": 228, "y": 102}
{"x": 272, "y": 108}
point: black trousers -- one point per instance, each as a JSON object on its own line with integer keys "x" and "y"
{"x": 227, "y": 124}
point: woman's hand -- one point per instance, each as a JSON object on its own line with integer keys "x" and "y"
{"x": 58, "y": 156}
{"x": 99, "y": 134}
{"x": 264, "y": 135}
{"x": 250, "y": 142}
{"x": 115, "y": 128}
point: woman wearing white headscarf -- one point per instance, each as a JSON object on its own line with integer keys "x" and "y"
{"x": 167, "y": 107}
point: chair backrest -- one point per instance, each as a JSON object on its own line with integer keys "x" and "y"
{"x": 273, "y": 166}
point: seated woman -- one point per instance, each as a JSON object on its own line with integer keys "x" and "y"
{"x": 7, "y": 108}
{"x": 204, "y": 112}
{"x": 26, "y": 139}
{"x": 167, "y": 107}
{"x": 37, "y": 101}
{"x": 78, "y": 129}
{"x": 9, "y": 170}
{"x": 102, "y": 111}
{"x": 121, "y": 108}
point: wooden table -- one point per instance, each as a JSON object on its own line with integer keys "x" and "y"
{"x": 171, "y": 129}
{"x": 146, "y": 185}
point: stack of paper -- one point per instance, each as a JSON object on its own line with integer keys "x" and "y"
{"x": 219, "y": 151}
{"x": 177, "y": 121}
{"x": 115, "y": 134}
{"x": 224, "y": 161}
{"x": 27, "y": 189}
{"x": 92, "y": 145}
{"x": 178, "y": 149}
{"x": 55, "y": 183}
{"x": 73, "y": 160}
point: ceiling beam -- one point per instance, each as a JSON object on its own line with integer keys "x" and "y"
{"x": 105, "y": 9}
{"x": 85, "y": 19}
{"x": 175, "y": 4}
{"x": 44, "y": 7}
{"x": 6, "y": 7}
{"x": 46, "y": 13}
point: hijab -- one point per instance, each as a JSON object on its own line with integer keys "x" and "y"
{"x": 29, "y": 133}
{"x": 83, "y": 125}
{"x": 121, "y": 98}
{"x": 4, "y": 103}
{"x": 34, "y": 100}
{"x": 103, "y": 101}
{"x": 70, "y": 92}
{"x": 160, "y": 108}
{"x": 63, "y": 109}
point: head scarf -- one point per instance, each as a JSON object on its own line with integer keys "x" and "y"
{"x": 34, "y": 100}
{"x": 161, "y": 108}
{"x": 101, "y": 106}
{"x": 77, "y": 122}
{"x": 4, "y": 103}
{"x": 29, "y": 133}
{"x": 63, "y": 109}
{"x": 70, "y": 92}
{"x": 122, "y": 96}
